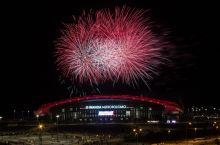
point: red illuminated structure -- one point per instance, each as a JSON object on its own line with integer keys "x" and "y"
{"x": 168, "y": 105}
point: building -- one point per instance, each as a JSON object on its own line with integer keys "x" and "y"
{"x": 117, "y": 108}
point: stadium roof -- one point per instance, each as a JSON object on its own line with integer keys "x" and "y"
{"x": 168, "y": 105}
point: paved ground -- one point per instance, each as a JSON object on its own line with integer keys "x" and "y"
{"x": 200, "y": 141}
{"x": 80, "y": 139}
{"x": 61, "y": 139}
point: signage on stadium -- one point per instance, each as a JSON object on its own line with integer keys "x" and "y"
{"x": 106, "y": 113}
{"x": 106, "y": 107}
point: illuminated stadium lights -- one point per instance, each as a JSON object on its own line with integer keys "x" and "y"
{"x": 124, "y": 109}
{"x": 168, "y": 106}
{"x": 171, "y": 121}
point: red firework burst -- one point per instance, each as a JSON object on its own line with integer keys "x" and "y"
{"x": 109, "y": 45}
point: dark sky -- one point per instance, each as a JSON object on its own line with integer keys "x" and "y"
{"x": 29, "y": 29}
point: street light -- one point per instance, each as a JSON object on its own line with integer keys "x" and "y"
{"x": 195, "y": 131}
{"x": 216, "y": 127}
{"x": 1, "y": 125}
{"x": 0, "y": 121}
{"x": 136, "y": 132}
{"x": 57, "y": 116}
{"x": 14, "y": 113}
{"x": 22, "y": 115}
{"x": 28, "y": 114}
{"x": 40, "y": 127}
{"x": 169, "y": 131}
{"x": 37, "y": 116}
{"x": 188, "y": 124}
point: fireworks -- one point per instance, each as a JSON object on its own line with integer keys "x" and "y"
{"x": 109, "y": 46}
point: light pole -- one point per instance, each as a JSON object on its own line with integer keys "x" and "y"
{"x": 213, "y": 129}
{"x": 57, "y": 116}
{"x": 169, "y": 131}
{"x": 195, "y": 129}
{"x": 136, "y": 133}
{"x": 40, "y": 127}
{"x": 22, "y": 115}
{"x": 216, "y": 132}
{"x": 187, "y": 125}
{"x": 37, "y": 116}
{"x": 1, "y": 125}
{"x": 14, "y": 113}
{"x": 1, "y": 122}
{"x": 28, "y": 114}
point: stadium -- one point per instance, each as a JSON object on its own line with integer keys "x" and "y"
{"x": 105, "y": 109}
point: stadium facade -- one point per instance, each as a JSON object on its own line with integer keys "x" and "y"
{"x": 117, "y": 108}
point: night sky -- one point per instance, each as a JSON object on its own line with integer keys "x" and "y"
{"x": 29, "y": 76}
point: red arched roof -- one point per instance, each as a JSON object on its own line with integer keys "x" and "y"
{"x": 168, "y": 105}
